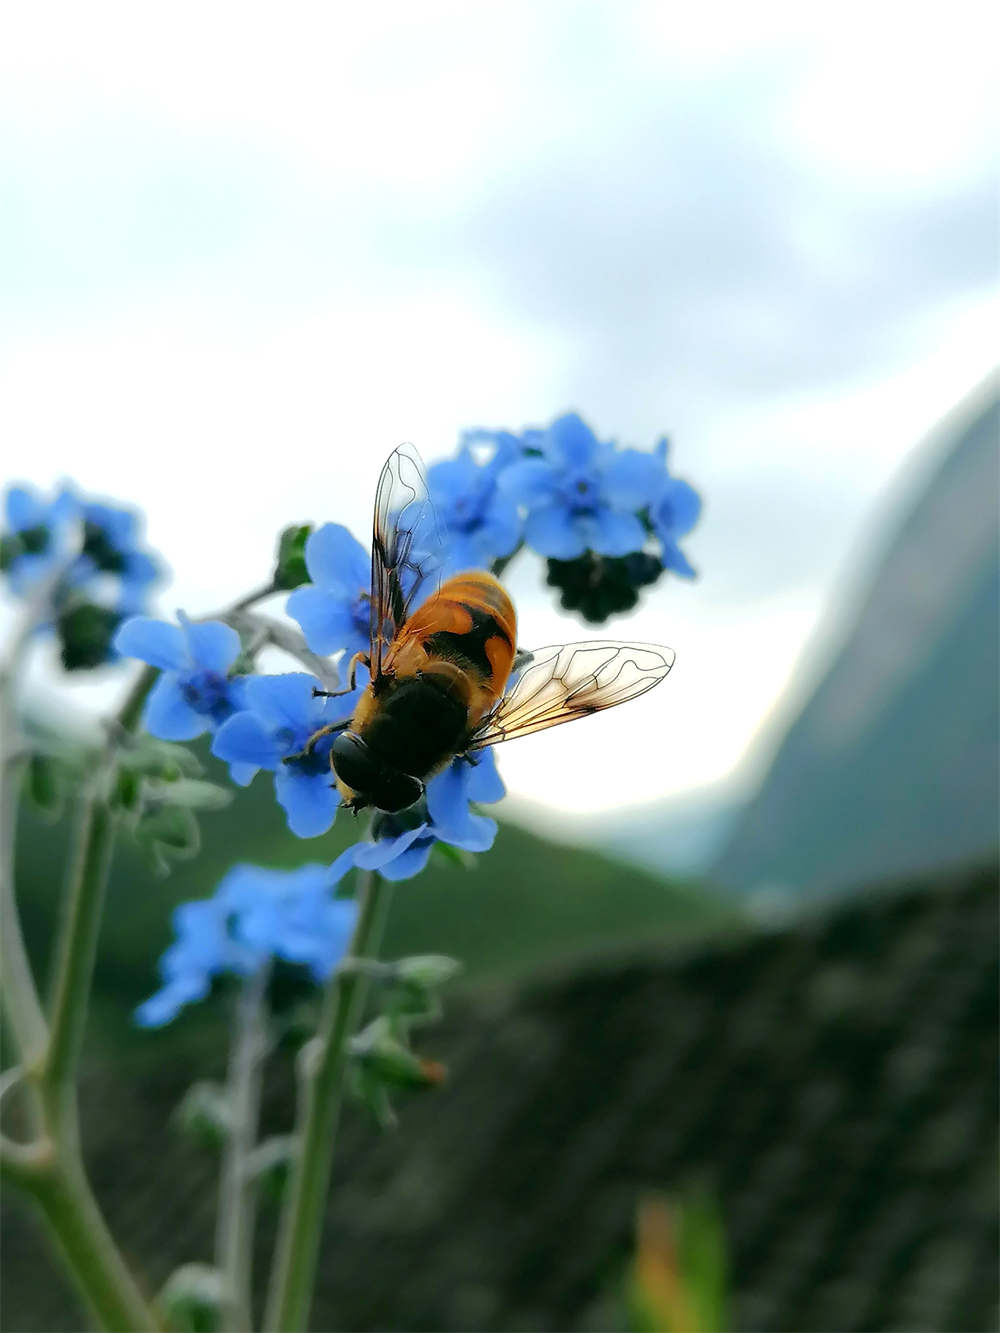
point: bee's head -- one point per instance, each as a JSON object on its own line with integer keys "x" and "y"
{"x": 364, "y": 780}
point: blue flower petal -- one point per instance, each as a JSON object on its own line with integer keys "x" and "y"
{"x": 677, "y": 509}
{"x": 675, "y": 559}
{"x": 478, "y": 834}
{"x": 612, "y": 532}
{"x": 501, "y": 528}
{"x": 453, "y": 479}
{"x": 409, "y": 862}
{"x": 244, "y": 741}
{"x": 153, "y": 641}
{"x": 448, "y": 801}
{"x": 530, "y": 481}
{"x": 328, "y": 620}
{"x": 630, "y": 479}
{"x": 570, "y": 441}
{"x": 552, "y": 532}
{"x": 168, "y": 714}
{"x": 213, "y": 645}
{"x": 336, "y": 560}
{"x": 164, "y": 1006}
{"x": 24, "y": 509}
{"x": 484, "y": 783}
{"x": 377, "y": 855}
{"x": 282, "y": 701}
{"x": 309, "y": 800}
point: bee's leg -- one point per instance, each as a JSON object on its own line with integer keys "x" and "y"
{"x": 470, "y": 759}
{"x": 315, "y": 739}
{"x": 352, "y": 677}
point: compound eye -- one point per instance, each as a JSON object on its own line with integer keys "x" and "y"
{"x": 397, "y": 791}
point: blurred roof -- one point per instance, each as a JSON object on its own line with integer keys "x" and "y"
{"x": 833, "y": 1082}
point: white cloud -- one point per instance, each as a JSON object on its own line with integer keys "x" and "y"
{"x": 250, "y": 252}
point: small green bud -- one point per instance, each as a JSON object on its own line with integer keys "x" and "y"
{"x": 204, "y": 1113}
{"x": 290, "y": 570}
{"x": 192, "y": 1299}
{"x": 126, "y": 792}
{"x": 384, "y": 1057}
{"x": 271, "y": 1161}
{"x": 173, "y": 827}
{"x": 427, "y": 970}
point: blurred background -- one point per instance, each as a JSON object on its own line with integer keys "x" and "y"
{"x": 741, "y": 933}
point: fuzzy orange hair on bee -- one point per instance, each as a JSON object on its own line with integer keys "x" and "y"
{"x": 441, "y": 655}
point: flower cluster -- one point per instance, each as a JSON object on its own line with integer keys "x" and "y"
{"x": 283, "y": 724}
{"x": 90, "y": 553}
{"x": 255, "y": 915}
{"x": 608, "y": 520}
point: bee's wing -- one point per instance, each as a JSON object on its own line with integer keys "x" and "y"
{"x": 407, "y": 545}
{"x": 569, "y": 681}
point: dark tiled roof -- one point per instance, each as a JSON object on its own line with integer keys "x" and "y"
{"x": 835, "y": 1083}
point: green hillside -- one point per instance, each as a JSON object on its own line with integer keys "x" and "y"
{"x": 526, "y": 903}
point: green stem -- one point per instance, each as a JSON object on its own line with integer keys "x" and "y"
{"x": 294, "y": 1275}
{"x": 20, "y": 995}
{"x": 92, "y": 1258}
{"x": 234, "y": 1228}
{"x": 77, "y": 946}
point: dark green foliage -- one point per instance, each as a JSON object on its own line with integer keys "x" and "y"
{"x": 601, "y": 586}
{"x": 28, "y": 541}
{"x": 99, "y": 547}
{"x": 85, "y": 632}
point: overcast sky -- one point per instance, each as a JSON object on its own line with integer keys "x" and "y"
{"x": 246, "y": 250}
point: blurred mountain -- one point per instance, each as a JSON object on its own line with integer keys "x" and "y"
{"x": 679, "y": 836}
{"x": 891, "y": 767}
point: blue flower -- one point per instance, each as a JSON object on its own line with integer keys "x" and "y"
{"x": 203, "y": 948}
{"x": 333, "y": 609}
{"x": 581, "y": 494}
{"x": 255, "y": 914}
{"x": 39, "y": 535}
{"x": 194, "y": 693}
{"x": 673, "y": 513}
{"x": 291, "y": 914}
{"x": 95, "y": 544}
{"x": 281, "y": 714}
{"x": 482, "y": 522}
{"x": 406, "y": 841}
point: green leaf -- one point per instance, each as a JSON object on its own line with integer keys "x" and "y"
{"x": 290, "y": 570}
{"x": 165, "y": 760}
{"x": 192, "y": 794}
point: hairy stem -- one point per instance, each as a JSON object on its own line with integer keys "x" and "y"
{"x": 77, "y": 945}
{"x": 234, "y": 1229}
{"x": 20, "y": 994}
{"x": 320, "y": 1099}
{"x": 92, "y": 1258}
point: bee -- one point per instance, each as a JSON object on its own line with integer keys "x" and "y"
{"x": 441, "y": 657}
